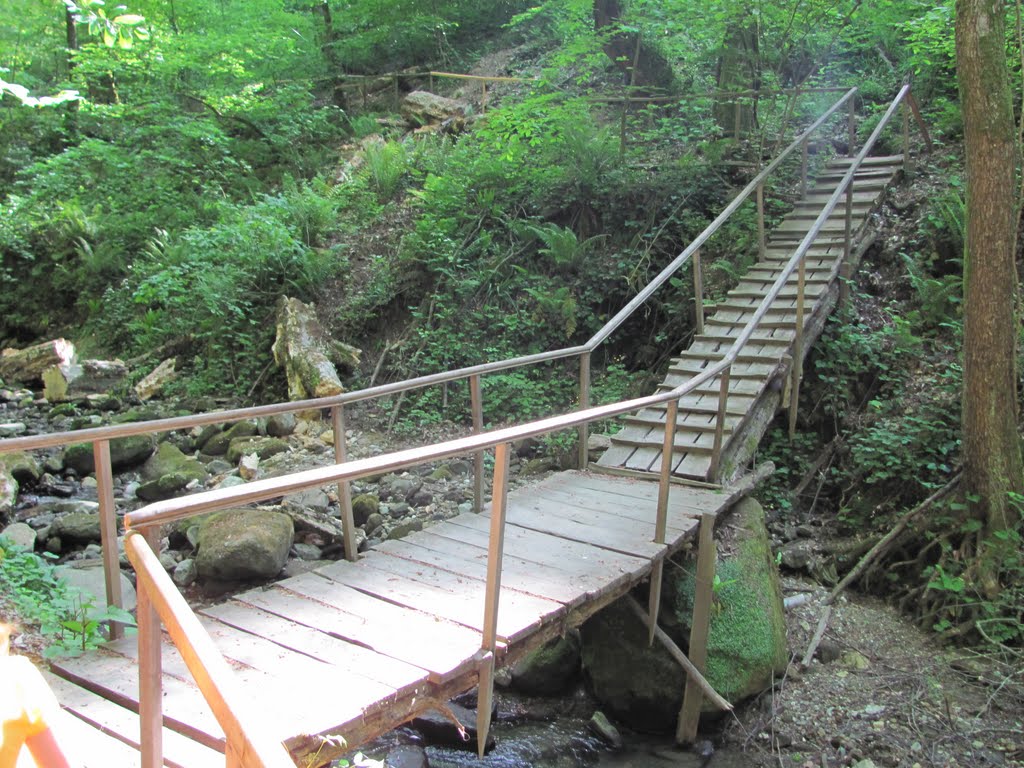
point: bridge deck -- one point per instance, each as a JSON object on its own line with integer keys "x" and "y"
{"x": 638, "y": 446}
{"x": 356, "y": 648}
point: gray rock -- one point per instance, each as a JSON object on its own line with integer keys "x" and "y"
{"x": 549, "y": 669}
{"x": 602, "y": 727}
{"x": 439, "y": 729}
{"x": 263, "y": 447}
{"x": 373, "y": 522}
{"x": 539, "y": 465}
{"x": 168, "y": 472}
{"x": 12, "y": 429}
{"x": 82, "y": 506}
{"x": 797, "y": 555}
{"x": 217, "y": 444}
{"x": 281, "y": 425}
{"x": 421, "y": 498}
{"x": 399, "y": 487}
{"x": 404, "y": 528}
{"x": 307, "y": 551}
{"x": 20, "y": 535}
{"x": 406, "y": 756}
{"x": 230, "y": 482}
{"x": 8, "y": 492}
{"x": 167, "y": 561}
{"x": 314, "y": 499}
{"x": 86, "y": 576}
{"x": 185, "y": 572}
{"x": 125, "y": 452}
{"x": 240, "y": 544}
{"x": 76, "y": 528}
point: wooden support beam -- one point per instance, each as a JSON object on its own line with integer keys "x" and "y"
{"x": 476, "y": 403}
{"x": 583, "y": 431}
{"x": 348, "y": 524}
{"x": 661, "y": 517}
{"x": 689, "y": 715}
{"x": 108, "y": 530}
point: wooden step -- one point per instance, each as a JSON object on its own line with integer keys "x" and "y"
{"x": 657, "y": 419}
{"x": 780, "y": 339}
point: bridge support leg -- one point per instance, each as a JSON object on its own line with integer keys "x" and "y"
{"x": 689, "y": 715}
{"x": 348, "y": 524}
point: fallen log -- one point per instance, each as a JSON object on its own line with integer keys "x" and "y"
{"x": 76, "y": 380}
{"x": 307, "y": 354}
{"x": 26, "y": 366}
{"x": 157, "y": 379}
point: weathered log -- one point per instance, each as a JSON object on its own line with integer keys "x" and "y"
{"x": 76, "y": 380}
{"x": 26, "y": 366}
{"x": 307, "y": 354}
{"x": 157, "y": 379}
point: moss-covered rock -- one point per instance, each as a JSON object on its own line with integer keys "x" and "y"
{"x": 21, "y": 466}
{"x": 167, "y": 472}
{"x": 125, "y": 452}
{"x": 639, "y": 685}
{"x": 77, "y": 527}
{"x": 263, "y": 447}
{"x": 242, "y": 544}
{"x": 217, "y": 444}
{"x": 747, "y": 637}
{"x": 550, "y": 668}
{"x": 364, "y": 505}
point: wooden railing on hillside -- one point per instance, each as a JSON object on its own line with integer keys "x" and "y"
{"x": 157, "y": 595}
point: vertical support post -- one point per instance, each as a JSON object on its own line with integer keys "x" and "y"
{"x": 851, "y": 126}
{"x": 661, "y": 520}
{"x": 348, "y": 523}
{"x": 362, "y": 90}
{"x": 150, "y": 670}
{"x": 803, "y": 168}
{"x": 108, "y": 530}
{"x": 431, "y": 82}
{"x": 844, "y": 268}
{"x": 584, "y": 429}
{"x": 476, "y": 402}
{"x": 716, "y": 448}
{"x": 686, "y": 728}
{"x": 906, "y": 139}
{"x": 762, "y": 249}
{"x": 737, "y": 120}
{"x": 398, "y": 98}
{"x": 483, "y": 97}
{"x": 798, "y": 347}
{"x": 698, "y": 293}
{"x": 495, "y": 550}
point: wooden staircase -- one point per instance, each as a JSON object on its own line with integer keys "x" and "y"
{"x": 764, "y": 362}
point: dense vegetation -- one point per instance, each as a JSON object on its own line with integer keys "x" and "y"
{"x": 171, "y": 168}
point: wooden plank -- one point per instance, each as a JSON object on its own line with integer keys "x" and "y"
{"x": 556, "y": 520}
{"x": 567, "y": 589}
{"x": 415, "y": 637}
{"x": 461, "y": 602}
{"x": 123, "y": 725}
{"x": 116, "y": 677}
{"x": 93, "y": 748}
{"x": 697, "y": 499}
{"x": 405, "y": 678}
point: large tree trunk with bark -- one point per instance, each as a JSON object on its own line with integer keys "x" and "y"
{"x": 991, "y": 447}
{"x": 640, "y": 64}
{"x": 92, "y": 377}
{"x": 307, "y": 354}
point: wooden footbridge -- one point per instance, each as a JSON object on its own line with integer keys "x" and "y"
{"x": 290, "y": 673}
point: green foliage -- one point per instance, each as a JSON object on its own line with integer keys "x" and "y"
{"x": 386, "y": 166}
{"x": 69, "y": 619}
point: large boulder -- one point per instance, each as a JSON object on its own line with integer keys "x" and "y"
{"x": 639, "y": 685}
{"x": 747, "y": 637}
{"x": 168, "y": 472}
{"x": 424, "y": 107}
{"x": 125, "y": 452}
{"x": 264, "y": 447}
{"x": 549, "y": 669}
{"x": 8, "y": 492}
{"x": 21, "y": 466}
{"x": 77, "y": 527}
{"x": 241, "y": 544}
{"x": 215, "y": 443}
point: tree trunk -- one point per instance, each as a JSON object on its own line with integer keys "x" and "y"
{"x": 640, "y": 64}
{"x": 991, "y": 447}
{"x": 26, "y": 366}
{"x": 307, "y": 354}
{"x": 91, "y": 377}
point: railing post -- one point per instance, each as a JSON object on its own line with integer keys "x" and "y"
{"x": 803, "y": 168}
{"x": 737, "y": 120}
{"x": 698, "y": 292}
{"x": 689, "y": 714}
{"x": 150, "y": 668}
{"x": 851, "y": 125}
{"x": 483, "y": 97}
{"x": 108, "y": 530}
{"x": 622, "y": 127}
{"x": 476, "y": 401}
{"x": 495, "y": 550}
{"x": 844, "y": 268}
{"x": 584, "y": 430}
{"x": 716, "y": 448}
{"x": 660, "y": 523}
{"x": 906, "y": 139}
{"x": 348, "y": 523}
{"x": 431, "y": 82}
{"x": 798, "y": 347}
{"x": 762, "y": 249}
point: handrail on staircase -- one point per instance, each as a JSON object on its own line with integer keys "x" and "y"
{"x": 146, "y": 519}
